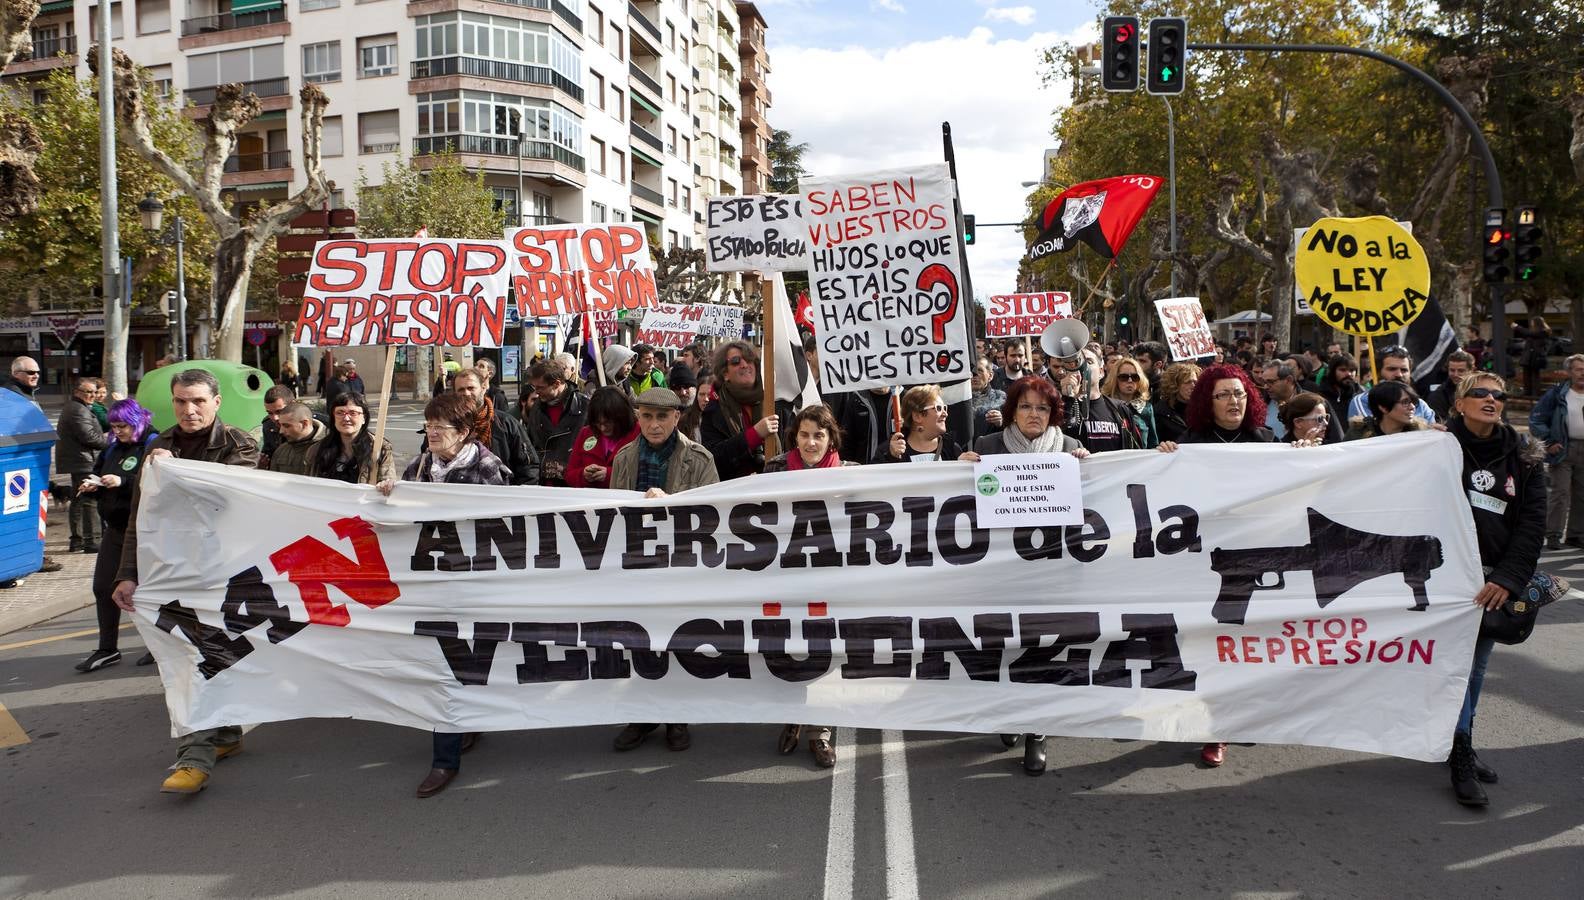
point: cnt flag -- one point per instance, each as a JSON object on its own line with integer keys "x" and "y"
{"x": 794, "y": 381}
{"x": 1099, "y": 213}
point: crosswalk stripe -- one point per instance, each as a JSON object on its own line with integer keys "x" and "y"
{"x": 11, "y": 733}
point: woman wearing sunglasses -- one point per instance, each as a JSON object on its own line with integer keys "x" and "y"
{"x": 1307, "y": 419}
{"x": 1127, "y": 385}
{"x": 1391, "y": 406}
{"x": 735, "y": 426}
{"x": 1504, "y": 477}
{"x": 923, "y": 436}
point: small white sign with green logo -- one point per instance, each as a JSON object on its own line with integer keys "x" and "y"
{"x": 1028, "y": 489}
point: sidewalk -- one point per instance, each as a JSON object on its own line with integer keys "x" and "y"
{"x": 43, "y": 596}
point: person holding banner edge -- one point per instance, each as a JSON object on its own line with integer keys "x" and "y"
{"x": 453, "y": 454}
{"x": 348, "y": 455}
{"x": 199, "y": 434}
{"x": 1504, "y": 475}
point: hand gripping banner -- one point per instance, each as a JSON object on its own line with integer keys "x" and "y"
{"x": 1243, "y": 593}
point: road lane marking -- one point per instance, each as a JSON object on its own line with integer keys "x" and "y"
{"x": 59, "y": 637}
{"x": 11, "y": 733}
{"x": 840, "y": 837}
{"x": 901, "y": 864}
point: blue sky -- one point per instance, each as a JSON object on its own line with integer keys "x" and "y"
{"x": 867, "y": 83}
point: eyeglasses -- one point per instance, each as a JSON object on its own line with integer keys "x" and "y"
{"x": 28, "y": 372}
{"x": 939, "y": 407}
{"x": 1394, "y": 350}
{"x": 352, "y": 413}
{"x": 1408, "y": 401}
{"x": 437, "y": 429}
{"x": 1227, "y": 396}
{"x": 1480, "y": 393}
{"x": 1026, "y": 408}
{"x": 1127, "y": 376}
{"x": 1321, "y": 419}
{"x": 738, "y": 361}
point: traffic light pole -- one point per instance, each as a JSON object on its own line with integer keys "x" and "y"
{"x": 1171, "y": 181}
{"x": 1493, "y": 186}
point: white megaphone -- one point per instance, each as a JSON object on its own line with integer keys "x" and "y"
{"x": 1064, "y": 338}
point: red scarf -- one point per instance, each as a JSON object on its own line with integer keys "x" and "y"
{"x": 830, "y": 461}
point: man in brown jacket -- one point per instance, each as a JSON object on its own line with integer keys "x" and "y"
{"x": 199, "y": 434}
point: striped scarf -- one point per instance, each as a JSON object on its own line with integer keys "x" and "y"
{"x": 654, "y": 463}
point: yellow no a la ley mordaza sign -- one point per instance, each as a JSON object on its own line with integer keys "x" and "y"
{"x": 1364, "y": 276}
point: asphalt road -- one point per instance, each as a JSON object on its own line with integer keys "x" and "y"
{"x": 325, "y": 807}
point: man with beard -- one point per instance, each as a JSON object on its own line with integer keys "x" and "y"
{"x": 497, "y": 430}
{"x": 1395, "y": 365}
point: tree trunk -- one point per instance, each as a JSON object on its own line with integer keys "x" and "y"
{"x": 233, "y": 266}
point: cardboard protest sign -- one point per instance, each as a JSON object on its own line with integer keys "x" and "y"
{"x": 1301, "y": 302}
{"x": 671, "y": 326}
{"x": 419, "y": 291}
{"x": 886, "y": 280}
{"x": 755, "y": 233}
{"x": 1187, "y": 330}
{"x": 1025, "y": 315}
{"x": 1364, "y": 276}
{"x": 568, "y": 269}
{"x": 1017, "y": 490}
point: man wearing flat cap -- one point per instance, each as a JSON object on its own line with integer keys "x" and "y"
{"x": 663, "y": 460}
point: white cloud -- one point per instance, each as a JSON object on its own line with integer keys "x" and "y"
{"x": 861, "y": 109}
{"x": 889, "y": 5}
{"x": 1017, "y": 15}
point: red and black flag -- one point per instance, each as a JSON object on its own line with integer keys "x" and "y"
{"x": 1099, "y": 213}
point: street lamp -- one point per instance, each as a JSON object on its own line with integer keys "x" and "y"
{"x": 151, "y": 211}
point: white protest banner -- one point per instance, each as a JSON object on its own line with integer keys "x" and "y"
{"x": 564, "y": 269}
{"x": 669, "y": 326}
{"x": 755, "y": 233}
{"x": 1028, "y": 489}
{"x": 885, "y": 277}
{"x": 1025, "y": 315}
{"x": 1220, "y": 593}
{"x": 1187, "y": 331}
{"x": 420, "y": 291}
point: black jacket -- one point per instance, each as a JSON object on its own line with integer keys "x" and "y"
{"x": 1214, "y": 435}
{"x": 12, "y": 384}
{"x": 859, "y": 426}
{"x": 1169, "y": 421}
{"x": 734, "y": 458}
{"x": 80, "y": 438}
{"x": 553, "y": 442}
{"x": 949, "y": 450}
{"x": 1510, "y": 525}
{"x": 125, "y": 461}
{"x": 509, "y": 443}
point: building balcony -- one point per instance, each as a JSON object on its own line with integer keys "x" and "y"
{"x": 645, "y": 79}
{"x": 521, "y": 73}
{"x": 485, "y": 145}
{"x": 648, "y": 195}
{"x": 264, "y": 90}
{"x": 49, "y": 48}
{"x": 643, "y": 20}
{"x": 43, "y": 55}
{"x": 258, "y": 162}
{"x": 232, "y": 21}
{"x": 645, "y": 135}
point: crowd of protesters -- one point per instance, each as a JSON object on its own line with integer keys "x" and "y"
{"x": 661, "y": 430}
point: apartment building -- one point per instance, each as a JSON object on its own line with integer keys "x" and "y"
{"x": 754, "y": 95}
{"x": 600, "y": 91}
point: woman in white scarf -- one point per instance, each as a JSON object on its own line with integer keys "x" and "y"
{"x": 1033, "y": 412}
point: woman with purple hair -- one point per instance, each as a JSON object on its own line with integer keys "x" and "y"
{"x": 114, "y": 480}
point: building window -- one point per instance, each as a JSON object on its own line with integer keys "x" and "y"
{"x": 499, "y": 39}
{"x": 621, "y": 103}
{"x": 322, "y": 62}
{"x": 153, "y": 16}
{"x": 597, "y": 156}
{"x": 330, "y": 143}
{"x": 248, "y": 65}
{"x": 671, "y": 139}
{"x": 311, "y": 5}
{"x": 597, "y": 212}
{"x": 616, "y": 42}
{"x": 671, "y": 239}
{"x": 543, "y": 208}
{"x": 599, "y": 90}
{"x": 687, "y": 149}
{"x": 379, "y": 132}
{"x": 377, "y": 56}
{"x": 596, "y": 25}
{"x": 115, "y": 22}
{"x": 161, "y": 76}
{"x": 619, "y": 175}
{"x": 671, "y": 194}
{"x": 687, "y": 199}
{"x": 506, "y": 205}
{"x": 671, "y": 36}
{"x": 671, "y": 88}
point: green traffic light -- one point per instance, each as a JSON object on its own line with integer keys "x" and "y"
{"x": 1166, "y": 74}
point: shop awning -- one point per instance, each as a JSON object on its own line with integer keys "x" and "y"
{"x": 642, "y": 216}
{"x": 247, "y": 6}
{"x": 637, "y": 97}
{"x": 55, "y": 6}
{"x": 640, "y": 155}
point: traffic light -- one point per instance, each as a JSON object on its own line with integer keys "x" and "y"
{"x": 1166, "y": 49}
{"x": 1526, "y": 243}
{"x": 1495, "y": 246}
{"x": 968, "y": 229}
{"x": 1119, "y": 53}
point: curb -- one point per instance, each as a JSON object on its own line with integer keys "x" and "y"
{"x": 43, "y": 612}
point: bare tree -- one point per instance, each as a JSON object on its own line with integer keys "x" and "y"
{"x": 19, "y": 140}
{"x": 680, "y": 277}
{"x": 240, "y": 237}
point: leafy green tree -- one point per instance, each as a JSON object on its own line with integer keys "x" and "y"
{"x": 52, "y": 254}
{"x": 786, "y": 162}
{"x": 445, "y": 198}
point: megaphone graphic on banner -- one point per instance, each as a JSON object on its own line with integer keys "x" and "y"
{"x": 1064, "y": 338}
{"x": 1339, "y": 558}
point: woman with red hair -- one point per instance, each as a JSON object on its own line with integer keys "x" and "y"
{"x": 1225, "y": 409}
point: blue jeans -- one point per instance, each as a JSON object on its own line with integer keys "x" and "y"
{"x": 1482, "y": 652}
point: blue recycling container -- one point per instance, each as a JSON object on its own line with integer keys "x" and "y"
{"x": 26, "y": 438}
